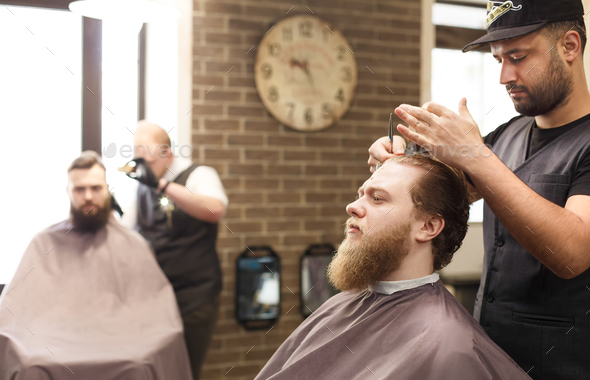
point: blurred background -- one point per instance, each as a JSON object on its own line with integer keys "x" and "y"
{"x": 69, "y": 83}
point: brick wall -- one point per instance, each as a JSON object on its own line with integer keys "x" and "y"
{"x": 288, "y": 189}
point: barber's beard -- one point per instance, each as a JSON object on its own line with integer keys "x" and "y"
{"x": 551, "y": 91}
{"x": 90, "y": 221}
{"x": 359, "y": 263}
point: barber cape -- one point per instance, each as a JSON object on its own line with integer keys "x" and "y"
{"x": 90, "y": 306}
{"x": 395, "y": 330}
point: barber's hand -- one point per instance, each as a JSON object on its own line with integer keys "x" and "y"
{"x": 142, "y": 172}
{"x": 452, "y": 138}
{"x": 380, "y": 150}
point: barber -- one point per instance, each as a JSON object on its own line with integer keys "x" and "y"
{"x": 177, "y": 210}
{"x": 534, "y": 294}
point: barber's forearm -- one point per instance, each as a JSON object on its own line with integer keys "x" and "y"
{"x": 198, "y": 206}
{"x": 552, "y": 234}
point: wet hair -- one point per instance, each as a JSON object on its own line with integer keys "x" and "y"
{"x": 555, "y": 30}
{"x": 441, "y": 191}
{"x": 86, "y": 160}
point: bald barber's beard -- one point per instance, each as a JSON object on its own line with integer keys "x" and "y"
{"x": 361, "y": 262}
{"x": 84, "y": 221}
{"x": 552, "y": 91}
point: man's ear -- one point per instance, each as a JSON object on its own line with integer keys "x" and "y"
{"x": 572, "y": 46}
{"x": 432, "y": 226}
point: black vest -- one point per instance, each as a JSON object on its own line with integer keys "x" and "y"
{"x": 186, "y": 252}
{"x": 540, "y": 320}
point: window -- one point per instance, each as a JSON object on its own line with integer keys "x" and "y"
{"x": 53, "y": 106}
{"x": 41, "y": 113}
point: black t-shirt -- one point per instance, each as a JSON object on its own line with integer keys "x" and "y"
{"x": 539, "y": 138}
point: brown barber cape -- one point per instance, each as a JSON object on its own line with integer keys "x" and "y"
{"x": 419, "y": 333}
{"x": 90, "y": 306}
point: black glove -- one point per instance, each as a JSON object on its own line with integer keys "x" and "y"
{"x": 141, "y": 171}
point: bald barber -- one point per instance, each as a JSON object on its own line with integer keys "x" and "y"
{"x": 177, "y": 209}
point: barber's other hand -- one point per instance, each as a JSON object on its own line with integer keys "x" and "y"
{"x": 380, "y": 150}
{"x": 142, "y": 172}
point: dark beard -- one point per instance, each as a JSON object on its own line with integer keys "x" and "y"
{"x": 84, "y": 222}
{"x": 360, "y": 264}
{"x": 550, "y": 93}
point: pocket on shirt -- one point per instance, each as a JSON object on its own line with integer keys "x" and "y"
{"x": 553, "y": 187}
{"x": 563, "y": 179}
{"x": 543, "y": 320}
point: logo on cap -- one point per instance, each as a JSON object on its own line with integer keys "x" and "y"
{"x": 497, "y": 9}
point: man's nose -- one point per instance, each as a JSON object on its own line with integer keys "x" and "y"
{"x": 88, "y": 195}
{"x": 356, "y": 209}
{"x": 507, "y": 74}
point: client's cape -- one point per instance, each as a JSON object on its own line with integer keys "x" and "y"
{"x": 90, "y": 306}
{"x": 420, "y": 333}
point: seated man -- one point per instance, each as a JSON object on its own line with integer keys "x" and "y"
{"x": 88, "y": 300}
{"x": 394, "y": 318}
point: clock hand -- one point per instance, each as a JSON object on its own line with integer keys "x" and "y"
{"x": 295, "y": 62}
{"x": 305, "y": 68}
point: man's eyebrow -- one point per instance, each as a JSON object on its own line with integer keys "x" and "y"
{"x": 373, "y": 189}
{"x": 512, "y": 51}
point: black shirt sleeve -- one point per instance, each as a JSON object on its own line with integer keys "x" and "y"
{"x": 581, "y": 182}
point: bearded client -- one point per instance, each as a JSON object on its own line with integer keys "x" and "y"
{"x": 88, "y": 300}
{"x": 394, "y": 318}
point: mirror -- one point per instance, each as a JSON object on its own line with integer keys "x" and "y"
{"x": 315, "y": 287}
{"x": 258, "y": 287}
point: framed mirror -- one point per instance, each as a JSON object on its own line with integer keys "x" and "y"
{"x": 315, "y": 287}
{"x": 258, "y": 287}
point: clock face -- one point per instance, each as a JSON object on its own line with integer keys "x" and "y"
{"x": 305, "y": 73}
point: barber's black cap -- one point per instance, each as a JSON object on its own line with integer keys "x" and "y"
{"x": 510, "y": 19}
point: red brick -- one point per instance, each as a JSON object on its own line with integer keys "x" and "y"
{"x": 267, "y": 155}
{"x": 222, "y": 125}
{"x": 267, "y": 126}
{"x": 245, "y": 198}
{"x": 202, "y": 139}
{"x": 245, "y": 169}
{"x": 208, "y": 80}
{"x": 208, "y": 22}
{"x": 219, "y": 7}
{"x": 284, "y": 198}
{"x": 299, "y": 183}
{"x": 207, "y": 51}
{"x": 222, "y": 154}
{"x": 300, "y": 211}
{"x": 261, "y": 183}
{"x": 263, "y": 212}
{"x": 244, "y": 140}
{"x": 283, "y": 226}
{"x": 245, "y": 227}
{"x": 321, "y": 169}
{"x": 320, "y": 197}
{"x": 284, "y": 141}
{"x": 300, "y": 156}
{"x": 247, "y": 25}
{"x": 241, "y": 82}
{"x": 223, "y": 38}
{"x": 246, "y": 111}
{"x": 284, "y": 169}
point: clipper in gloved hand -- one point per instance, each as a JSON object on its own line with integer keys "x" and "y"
{"x": 140, "y": 170}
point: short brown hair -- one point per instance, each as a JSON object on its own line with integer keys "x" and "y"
{"x": 555, "y": 30}
{"x": 86, "y": 160}
{"x": 442, "y": 191}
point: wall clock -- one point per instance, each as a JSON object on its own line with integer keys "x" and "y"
{"x": 305, "y": 73}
